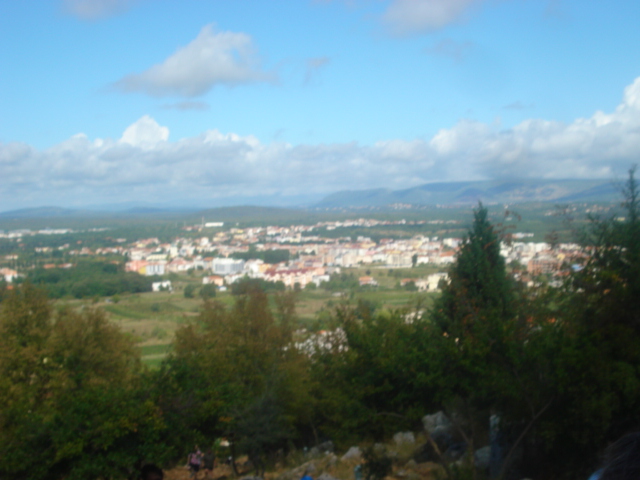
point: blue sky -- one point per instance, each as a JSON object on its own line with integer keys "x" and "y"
{"x": 211, "y": 102}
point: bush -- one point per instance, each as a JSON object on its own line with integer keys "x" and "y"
{"x": 249, "y": 285}
{"x": 189, "y": 291}
{"x": 208, "y": 291}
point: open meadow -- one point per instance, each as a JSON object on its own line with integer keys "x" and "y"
{"x": 151, "y": 318}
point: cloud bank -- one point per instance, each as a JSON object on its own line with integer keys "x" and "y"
{"x": 213, "y": 58}
{"x": 144, "y": 165}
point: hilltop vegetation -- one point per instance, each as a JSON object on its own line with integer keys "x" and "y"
{"x": 558, "y": 366}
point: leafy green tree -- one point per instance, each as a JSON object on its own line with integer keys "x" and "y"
{"x": 225, "y": 363}
{"x": 68, "y": 386}
{"x": 189, "y": 291}
{"x": 249, "y": 285}
{"x": 89, "y": 279}
{"x": 479, "y": 295}
{"x": 343, "y": 281}
{"x": 558, "y": 365}
{"x": 374, "y": 375}
{"x": 478, "y": 334}
{"x": 267, "y": 256}
{"x": 208, "y": 291}
{"x": 411, "y": 286}
{"x": 259, "y": 428}
{"x": 598, "y": 381}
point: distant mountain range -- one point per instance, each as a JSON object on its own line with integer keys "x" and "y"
{"x": 40, "y": 212}
{"x": 450, "y": 193}
{"x": 458, "y": 193}
{"x": 58, "y": 212}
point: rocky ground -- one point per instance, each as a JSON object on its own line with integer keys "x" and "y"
{"x": 410, "y": 456}
{"x": 325, "y": 465}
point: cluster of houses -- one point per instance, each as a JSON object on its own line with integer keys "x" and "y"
{"x": 8, "y": 274}
{"x": 313, "y": 257}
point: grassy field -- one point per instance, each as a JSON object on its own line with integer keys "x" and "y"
{"x": 152, "y": 319}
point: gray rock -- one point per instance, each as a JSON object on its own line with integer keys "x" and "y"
{"x": 404, "y": 438}
{"x": 326, "y": 447}
{"x": 482, "y": 457}
{"x": 353, "y": 453}
{"x": 435, "y": 420}
{"x": 379, "y": 448}
{"x": 411, "y": 464}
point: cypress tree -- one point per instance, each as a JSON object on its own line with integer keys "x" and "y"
{"x": 479, "y": 292}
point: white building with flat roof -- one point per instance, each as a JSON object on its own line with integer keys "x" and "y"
{"x": 227, "y": 266}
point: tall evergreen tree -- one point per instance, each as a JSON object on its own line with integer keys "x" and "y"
{"x": 609, "y": 285}
{"x": 475, "y": 332}
{"x": 599, "y": 376}
{"x": 479, "y": 292}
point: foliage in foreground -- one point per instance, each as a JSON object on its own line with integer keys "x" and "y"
{"x": 559, "y": 368}
{"x": 68, "y": 389}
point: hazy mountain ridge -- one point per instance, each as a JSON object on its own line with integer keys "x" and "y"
{"x": 442, "y": 193}
{"x": 41, "y": 212}
{"x": 517, "y": 191}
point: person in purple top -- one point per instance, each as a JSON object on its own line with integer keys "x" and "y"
{"x": 194, "y": 461}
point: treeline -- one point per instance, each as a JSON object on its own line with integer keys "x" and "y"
{"x": 88, "y": 279}
{"x": 248, "y": 285}
{"x": 267, "y": 256}
{"x": 557, "y": 369}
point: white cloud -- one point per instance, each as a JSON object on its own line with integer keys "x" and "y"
{"x": 144, "y": 164}
{"x": 96, "y": 9}
{"x": 213, "y": 58}
{"x": 408, "y": 17}
{"x": 145, "y": 133}
{"x": 598, "y": 146}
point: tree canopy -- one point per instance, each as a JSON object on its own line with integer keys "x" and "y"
{"x": 559, "y": 366}
{"x": 68, "y": 382}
